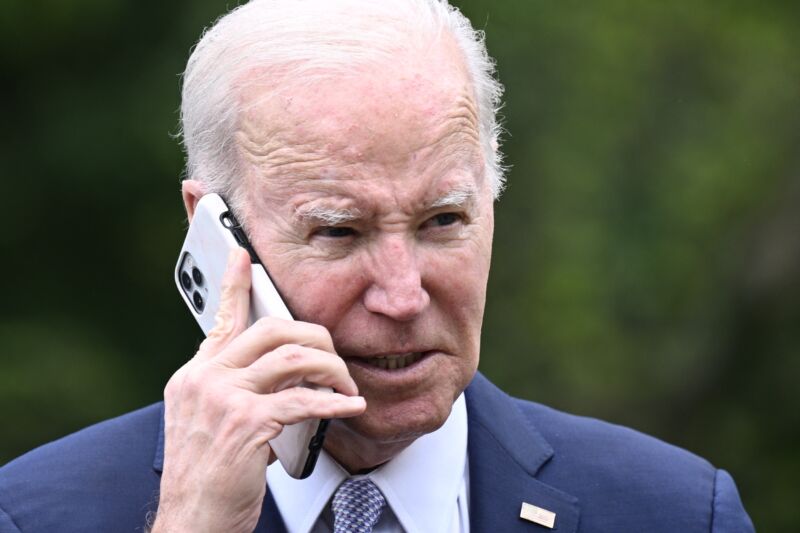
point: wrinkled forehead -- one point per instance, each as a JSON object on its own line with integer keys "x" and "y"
{"x": 383, "y": 112}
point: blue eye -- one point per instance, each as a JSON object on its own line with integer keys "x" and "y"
{"x": 445, "y": 219}
{"x": 335, "y": 232}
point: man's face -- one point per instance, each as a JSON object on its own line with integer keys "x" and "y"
{"x": 368, "y": 203}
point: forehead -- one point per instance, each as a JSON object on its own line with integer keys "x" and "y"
{"x": 412, "y": 123}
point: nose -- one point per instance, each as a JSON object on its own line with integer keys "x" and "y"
{"x": 395, "y": 288}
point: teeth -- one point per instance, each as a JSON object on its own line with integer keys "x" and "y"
{"x": 394, "y": 362}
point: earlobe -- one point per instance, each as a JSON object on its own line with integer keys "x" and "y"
{"x": 192, "y": 191}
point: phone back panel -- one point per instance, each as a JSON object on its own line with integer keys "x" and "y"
{"x": 208, "y": 244}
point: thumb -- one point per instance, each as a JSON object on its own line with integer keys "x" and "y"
{"x": 234, "y": 305}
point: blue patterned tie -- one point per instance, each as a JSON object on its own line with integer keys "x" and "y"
{"x": 357, "y": 506}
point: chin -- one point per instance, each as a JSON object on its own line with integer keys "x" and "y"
{"x": 389, "y": 425}
{"x": 404, "y": 421}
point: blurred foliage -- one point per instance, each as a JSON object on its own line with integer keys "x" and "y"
{"x": 647, "y": 251}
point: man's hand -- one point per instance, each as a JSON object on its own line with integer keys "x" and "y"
{"x": 226, "y": 403}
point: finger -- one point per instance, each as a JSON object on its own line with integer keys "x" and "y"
{"x": 290, "y": 365}
{"x": 297, "y": 404}
{"x": 234, "y": 305}
{"x": 267, "y": 334}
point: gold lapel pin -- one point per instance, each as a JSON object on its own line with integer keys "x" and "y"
{"x": 537, "y": 515}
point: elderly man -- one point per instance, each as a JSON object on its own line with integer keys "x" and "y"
{"x": 356, "y": 141}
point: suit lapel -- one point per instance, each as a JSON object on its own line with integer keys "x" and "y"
{"x": 505, "y": 453}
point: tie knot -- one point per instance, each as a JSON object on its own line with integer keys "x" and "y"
{"x": 357, "y": 506}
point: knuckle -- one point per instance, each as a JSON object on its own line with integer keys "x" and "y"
{"x": 266, "y": 326}
{"x": 171, "y": 388}
{"x": 193, "y": 382}
{"x": 202, "y": 381}
{"x": 340, "y": 364}
{"x": 329, "y": 407}
{"x": 327, "y": 410}
{"x": 323, "y": 333}
{"x": 238, "y": 415}
{"x": 228, "y": 289}
{"x": 224, "y": 325}
{"x": 270, "y": 427}
{"x": 290, "y": 355}
{"x": 219, "y": 399}
{"x": 267, "y": 421}
{"x": 296, "y": 397}
{"x": 175, "y": 383}
{"x": 210, "y": 393}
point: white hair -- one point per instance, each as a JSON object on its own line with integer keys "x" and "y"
{"x": 302, "y": 38}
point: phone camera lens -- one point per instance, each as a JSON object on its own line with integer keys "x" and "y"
{"x": 198, "y": 301}
{"x": 197, "y": 275}
{"x": 186, "y": 280}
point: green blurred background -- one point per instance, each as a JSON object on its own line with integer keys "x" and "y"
{"x": 647, "y": 256}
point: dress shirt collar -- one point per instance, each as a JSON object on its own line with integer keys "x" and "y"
{"x": 421, "y": 484}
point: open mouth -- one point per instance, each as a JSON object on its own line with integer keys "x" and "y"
{"x": 394, "y": 361}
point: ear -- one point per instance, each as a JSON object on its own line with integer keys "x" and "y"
{"x": 192, "y": 191}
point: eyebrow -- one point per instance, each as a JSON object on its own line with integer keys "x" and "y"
{"x": 326, "y": 215}
{"x": 458, "y": 197}
{"x": 329, "y": 216}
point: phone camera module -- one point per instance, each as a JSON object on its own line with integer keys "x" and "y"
{"x": 197, "y": 276}
{"x": 186, "y": 280}
{"x": 199, "y": 303}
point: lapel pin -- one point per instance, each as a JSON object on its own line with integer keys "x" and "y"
{"x": 537, "y": 515}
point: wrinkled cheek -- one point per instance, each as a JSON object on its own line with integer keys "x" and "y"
{"x": 462, "y": 282}
{"x": 320, "y": 295}
{"x": 467, "y": 294}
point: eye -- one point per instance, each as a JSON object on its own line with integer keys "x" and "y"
{"x": 335, "y": 232}
{"x": 443, "y": 219}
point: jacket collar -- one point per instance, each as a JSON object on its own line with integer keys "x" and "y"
{"x": 505, "y": 453}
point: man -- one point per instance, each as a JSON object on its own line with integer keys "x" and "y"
{"x": 357, "y": 142}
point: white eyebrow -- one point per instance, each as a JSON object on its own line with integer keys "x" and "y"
{"x": 458, "y": 197}
{"x": 327, "y": 215}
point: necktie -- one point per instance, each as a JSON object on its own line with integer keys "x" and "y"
{"x": 357, "y": 506}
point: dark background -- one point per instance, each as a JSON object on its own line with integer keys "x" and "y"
{"x": 647, "y": 251}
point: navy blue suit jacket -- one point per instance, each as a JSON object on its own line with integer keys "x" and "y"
{"x": 595, "y": 476}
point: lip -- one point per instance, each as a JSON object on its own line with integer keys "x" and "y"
{"x": 394, "y": 361}
{"x": 418, "y": 365}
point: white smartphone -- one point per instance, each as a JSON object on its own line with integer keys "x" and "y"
{"x": 213, "y": 233}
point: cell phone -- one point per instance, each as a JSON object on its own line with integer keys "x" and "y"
{"x": 213, "y": 233}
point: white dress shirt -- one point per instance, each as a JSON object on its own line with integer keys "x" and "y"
{"x": 426, "y": 486}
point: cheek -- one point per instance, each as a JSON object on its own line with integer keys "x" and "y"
{"x": 457, "y": 279}
{"x": 320, "y": 293}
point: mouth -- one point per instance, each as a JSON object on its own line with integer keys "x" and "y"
{"x": 388, "y": 361}
{"x": 394, "y": 361}
{"x": 385, "y": 373}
